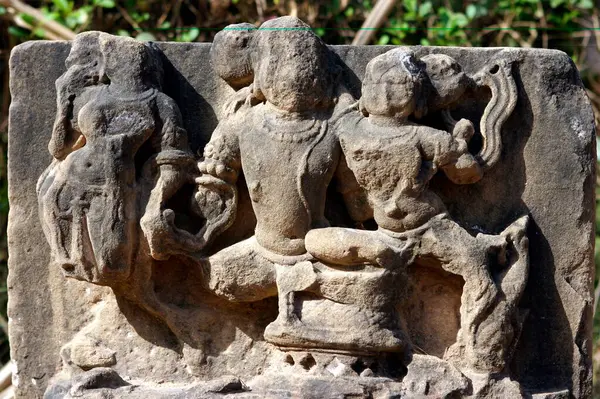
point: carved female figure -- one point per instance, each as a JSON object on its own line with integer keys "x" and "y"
{"x": 89, "y": 195}
{"x": 394, "y": 160}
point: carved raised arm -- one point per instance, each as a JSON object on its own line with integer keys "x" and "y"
{"x": 66, "y": 137}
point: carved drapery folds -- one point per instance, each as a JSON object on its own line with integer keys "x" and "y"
{"x": 294, "y": 132}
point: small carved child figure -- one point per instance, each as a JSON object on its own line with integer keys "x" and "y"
{"x": 394, "y": 160}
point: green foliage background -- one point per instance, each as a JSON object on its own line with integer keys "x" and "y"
{"x": 569, "y": 25}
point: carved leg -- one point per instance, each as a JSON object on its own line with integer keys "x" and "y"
{"x": 292, "y": 279}
{"x": 112, "y": 233}
{"x": 240, "y": 274}
{"x": 348, "y": 247}
{"x": 79, "y": 241}
{"x": 53, "y": 218}
{"x": 462, "y": 254}
{"x": 467, "y": 256}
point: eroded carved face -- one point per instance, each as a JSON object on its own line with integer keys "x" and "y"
{"x": 230, "y": 54}
{"x": 448, "y": 81}
{"x": 126, "y": 60}
{"x": 84, "y": 50}
{"x": 291, "y": 68}
{"x": 392, "y": 84}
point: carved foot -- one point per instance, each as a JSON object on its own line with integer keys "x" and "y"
{"x": 101, "y": 381}
{"x": 87, "y": 353}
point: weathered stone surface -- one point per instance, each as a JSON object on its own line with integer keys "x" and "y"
{"x": 272, "y": 217}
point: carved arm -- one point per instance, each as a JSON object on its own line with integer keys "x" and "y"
{"x": 71, "y": 84}
{"x": 173, "y": 164}
{"x": 353, "y": 194}
{"x": 450, "y": 153}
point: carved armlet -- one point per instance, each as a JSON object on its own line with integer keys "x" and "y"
{"x": 175, "y": 157}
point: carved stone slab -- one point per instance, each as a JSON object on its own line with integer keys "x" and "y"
{"x": 267, "y": 216}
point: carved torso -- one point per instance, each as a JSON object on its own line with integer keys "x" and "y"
{"x": 288, "y": 164}
{"x": 391, "y": 165}
{"x": 114, "y": 128}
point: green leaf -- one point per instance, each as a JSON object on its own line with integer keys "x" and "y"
{"x": 81, "y": 16}
{"x": 471, "y": 11}
{"x": 190, "y": 35}
{"x": 2, "y": 10}
{"x": 123, "y": 32}
{"x": 383, "y": 40}
{"x": 62, "y": 5}
{"x": 77, "y": 18}
{"x": 556, "y": 3}
{"x": 425, "y": 9}
{"x": 145, "y": 37}
{"x": 39, "y": 32}
{"x": 28, "y": 18}
{"x": 586, "y": 4}
{"x": 17, "y": 31}
{"x": 53, "y": 15}
{"x": 137, "y": 17}
{"x": 460, "y": 20}
{"x": 105, "y": 3}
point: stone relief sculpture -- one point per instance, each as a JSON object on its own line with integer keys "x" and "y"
{"x": 296, "y": 135}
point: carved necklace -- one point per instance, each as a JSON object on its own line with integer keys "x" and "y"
{"x": 143, "y": 96}
{"x": 283, "y": 128}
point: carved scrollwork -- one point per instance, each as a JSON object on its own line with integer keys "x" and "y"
{"x": 499, "y": 79}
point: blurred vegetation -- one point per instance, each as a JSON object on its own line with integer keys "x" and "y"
{"x": 569, "y": 25}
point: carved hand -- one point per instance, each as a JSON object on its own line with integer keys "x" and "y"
{"x": 463, "y": 130}
{"x": 216, "y": 201}
{"x": 165, "y": 238}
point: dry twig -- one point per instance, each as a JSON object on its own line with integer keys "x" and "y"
{"x": 52, "y": 28}
{"x": 374, "y": 20}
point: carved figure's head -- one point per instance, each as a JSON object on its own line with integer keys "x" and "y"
{"x": 129, "y": 63}
{"x": 85, "y": 50}
{"x": 292, "y": 66}
{"x": 230, "y": 54}
{"x": 448, "y": 81}
{"x": 393, "y": 85}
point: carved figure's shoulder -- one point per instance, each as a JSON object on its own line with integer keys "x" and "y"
{"x": 347, "y": 125}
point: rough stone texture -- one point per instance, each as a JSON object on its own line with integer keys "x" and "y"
{"x": 214, "y": 311}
